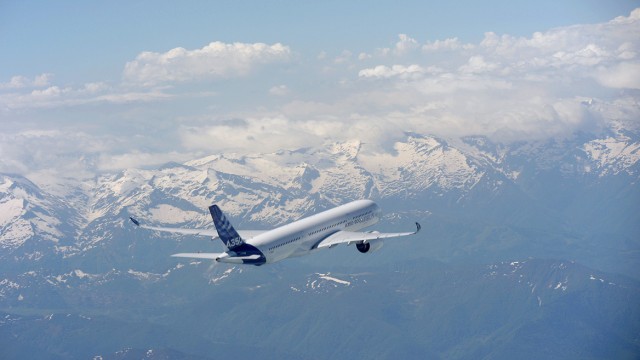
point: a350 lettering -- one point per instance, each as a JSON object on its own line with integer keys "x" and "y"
{"x": 235, "y": 242}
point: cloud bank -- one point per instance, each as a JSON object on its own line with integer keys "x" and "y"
{"x": 508, "y": 88}
{"x": 216, "y": 60}
{"x": 181, "y": 103}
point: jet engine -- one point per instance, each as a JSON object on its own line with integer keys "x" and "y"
{"x": 370, "y": 246}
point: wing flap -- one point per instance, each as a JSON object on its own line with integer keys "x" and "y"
{"x": 349, "y": 237}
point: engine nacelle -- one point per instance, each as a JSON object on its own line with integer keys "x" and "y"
{"x": 370, "y": 246}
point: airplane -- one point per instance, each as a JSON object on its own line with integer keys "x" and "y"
{"x": 324, "y": 230}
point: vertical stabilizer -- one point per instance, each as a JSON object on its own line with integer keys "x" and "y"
{"x": 227, "y": 233}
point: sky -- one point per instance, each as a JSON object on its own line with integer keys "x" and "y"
{"x": 91, "y": 87}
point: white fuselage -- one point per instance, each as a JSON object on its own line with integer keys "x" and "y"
{"x": 301, "y": 237}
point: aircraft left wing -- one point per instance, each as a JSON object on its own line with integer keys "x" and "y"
{"x": 245, "y": 234}
{"x": 349, "y": 237}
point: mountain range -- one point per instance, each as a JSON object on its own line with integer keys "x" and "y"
{"x": 529, "y": 248}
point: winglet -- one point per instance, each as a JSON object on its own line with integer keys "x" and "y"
{"x": 134, "y": 221}
{"x": 418, "y": 227}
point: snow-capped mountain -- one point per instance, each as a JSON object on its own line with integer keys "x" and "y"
{"x": 38, "y": 223}
{"x": 531, "y": 195}
{"x": 481, "y": 204}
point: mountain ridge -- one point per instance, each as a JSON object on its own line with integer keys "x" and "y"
{"x": 520, "y": 246}
{"x": 551, "y": 187}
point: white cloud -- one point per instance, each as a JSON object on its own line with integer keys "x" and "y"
{"x": 506, "y": 87}
{"x": 454, "y": 104}
{"x": 16, "y": 82}
{"x": 30, "y": 150}
{"x": 627, "y": 51}
{"x": 129, "y": 97}
{"x": 95, "y": 87}
{"x": 137, "y": 159}
{"x": 382, "y": 71}
{"x": 42, "y": 80}
{"x": 216, "y": 60}
{"x": 588, "y": 56}
{"x": 633, "y": 16}
{"x": 477, "y": 64}
{"x": 405, "y": 45}
{"x": 76, "y": 154}
{"x": 19, "y": 82}
{"x": 344, "y": 57}
{"x": 91, "y": 93}
{"x": 279, "y": 90}
{"x": 509, "y": 88}
{"x": 446, "y": 44}
{"x": 575, "y": 48}
{"x": 259, "y": 134}
{"x": 624, "y": 75}
{"x": 277, "y": 132}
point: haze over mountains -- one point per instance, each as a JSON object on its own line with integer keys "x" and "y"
{"x": 523, "y": 244}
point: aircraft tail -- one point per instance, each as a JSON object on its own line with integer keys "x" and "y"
{"x": 227, "y": 233}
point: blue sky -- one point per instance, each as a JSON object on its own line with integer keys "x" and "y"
{"x": 85, "y": 40}
{"x": 87, "y": 87}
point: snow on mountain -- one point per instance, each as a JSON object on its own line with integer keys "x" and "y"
{"x": 321, "y": 283}
{"x": 612, "y": 155}
{"x": 423, "y": 163}
{"x": 29, "y": 215}
{"x": 422, "y": 174}
{"x": 545, "y": 279}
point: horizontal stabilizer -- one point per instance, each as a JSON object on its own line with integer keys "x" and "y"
{"x": 221, "y": 257}
{"x": 248, "y": 257}
{"x": 212, "y": 256}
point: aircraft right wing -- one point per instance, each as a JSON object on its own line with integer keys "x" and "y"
{"x": 349, "y": 237}
{"x": 245, "y": 234}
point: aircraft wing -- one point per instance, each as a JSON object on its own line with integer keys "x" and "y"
{"x": 245, "y": 234}
{"x": 349, "y": 237}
